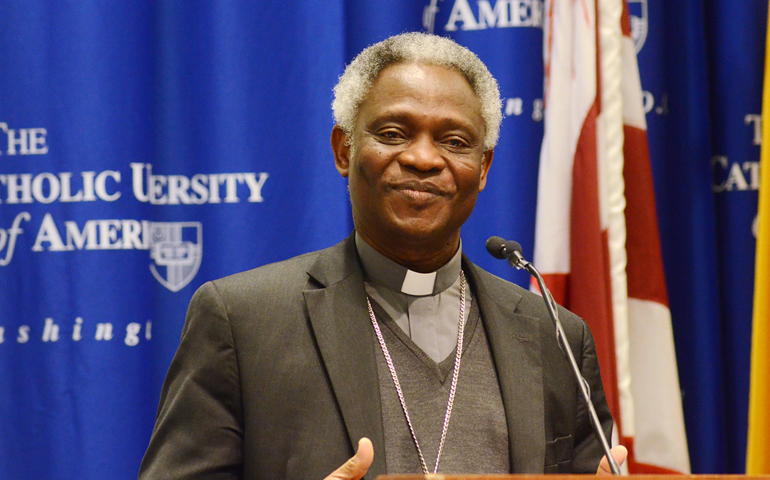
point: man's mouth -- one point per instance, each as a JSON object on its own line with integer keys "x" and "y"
{"x": 419, "y": 192}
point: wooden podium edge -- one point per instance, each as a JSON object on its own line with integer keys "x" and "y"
{"x": 440, "y": 476}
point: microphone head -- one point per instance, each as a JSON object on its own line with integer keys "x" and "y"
{"x": 513, "y": 246}
{"x": 496, "y": 246}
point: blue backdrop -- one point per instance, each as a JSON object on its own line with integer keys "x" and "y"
{"x": 147, "y": 147}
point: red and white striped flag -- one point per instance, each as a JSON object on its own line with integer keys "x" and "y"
{"x": 596, "y": 235}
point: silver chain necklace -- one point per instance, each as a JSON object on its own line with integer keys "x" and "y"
{"x": 452, "y": 389}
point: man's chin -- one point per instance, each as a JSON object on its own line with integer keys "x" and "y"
{"x": 422, "y": 230}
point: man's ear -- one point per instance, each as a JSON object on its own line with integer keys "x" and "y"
{"x": 341, "y": 149}
{"x": 486, "y": 162}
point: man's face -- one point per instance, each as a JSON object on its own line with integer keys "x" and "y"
{"x": 418, "y": 161}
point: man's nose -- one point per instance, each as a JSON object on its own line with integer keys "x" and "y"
{"x": 422, "y": 154}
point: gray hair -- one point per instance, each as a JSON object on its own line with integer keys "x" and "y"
{"x": 415, "y": 47}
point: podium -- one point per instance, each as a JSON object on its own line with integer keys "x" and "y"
{"x": 439, "y": 476}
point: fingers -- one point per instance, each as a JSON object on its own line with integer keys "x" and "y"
{"x": 619, "y": 453}
{"x": 355, "y": 468}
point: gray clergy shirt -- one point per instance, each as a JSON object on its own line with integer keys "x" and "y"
{"x": 425, "y": 306}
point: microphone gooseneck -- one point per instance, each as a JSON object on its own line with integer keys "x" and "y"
{"x": 511, "y": 251}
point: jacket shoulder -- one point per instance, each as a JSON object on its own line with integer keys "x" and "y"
{"x": 286, "y": 274}
{"x": 521, "y": 300}
{"x": 282, "y": 283}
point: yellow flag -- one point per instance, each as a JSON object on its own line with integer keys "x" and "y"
{"x": 757, "y": 457}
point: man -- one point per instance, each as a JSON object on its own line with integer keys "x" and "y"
{"x": 392, "y": 337}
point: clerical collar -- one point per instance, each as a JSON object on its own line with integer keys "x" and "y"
{"x": 383, "y": 271}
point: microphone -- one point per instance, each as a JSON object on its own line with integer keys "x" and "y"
{"x": 496, "y": 247}
{"x": 511, "y": 251}
{"x": 507, "y": 250}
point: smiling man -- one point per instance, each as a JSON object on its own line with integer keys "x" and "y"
{"x": 419, "y": 162}
{"x": 391, "y": 347}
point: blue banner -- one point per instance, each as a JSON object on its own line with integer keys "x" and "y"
{"x": 148, "y": 148}
{"x": 704, "y": 143}
{"x": 144, "y": 151}
{"x": 672, "y": 61}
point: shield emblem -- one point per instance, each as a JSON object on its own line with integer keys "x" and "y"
{"x": 176, "y": 250}
{"x": 639, "y": 22}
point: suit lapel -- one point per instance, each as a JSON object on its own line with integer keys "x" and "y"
{"x": 338, "y": 316}
{"x": 514, "y": 341}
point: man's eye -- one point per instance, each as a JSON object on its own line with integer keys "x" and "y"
{"x": 457, "y": 143}
{"x": 391, "y": 134}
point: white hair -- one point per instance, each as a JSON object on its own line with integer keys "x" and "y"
{"x": 423, "y": 48}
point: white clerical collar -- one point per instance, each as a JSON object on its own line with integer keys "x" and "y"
{"x": 384, "y": 271}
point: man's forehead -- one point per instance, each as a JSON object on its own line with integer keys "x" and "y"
{"x": 422, "y": 78}
{"x": 427, "y": 69}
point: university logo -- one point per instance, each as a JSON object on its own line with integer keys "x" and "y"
{"x": 176, "y": 250}
{"x": 639, "y": 22}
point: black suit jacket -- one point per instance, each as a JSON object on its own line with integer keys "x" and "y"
{"x": 275, "y": 376}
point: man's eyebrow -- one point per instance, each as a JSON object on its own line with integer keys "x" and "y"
{"x": 392, "y": 116}
{"x": 447, "y": 123}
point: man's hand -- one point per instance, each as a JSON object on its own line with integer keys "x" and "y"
{"x": 619, "y": 453}
{"x": 355, "y": 468}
